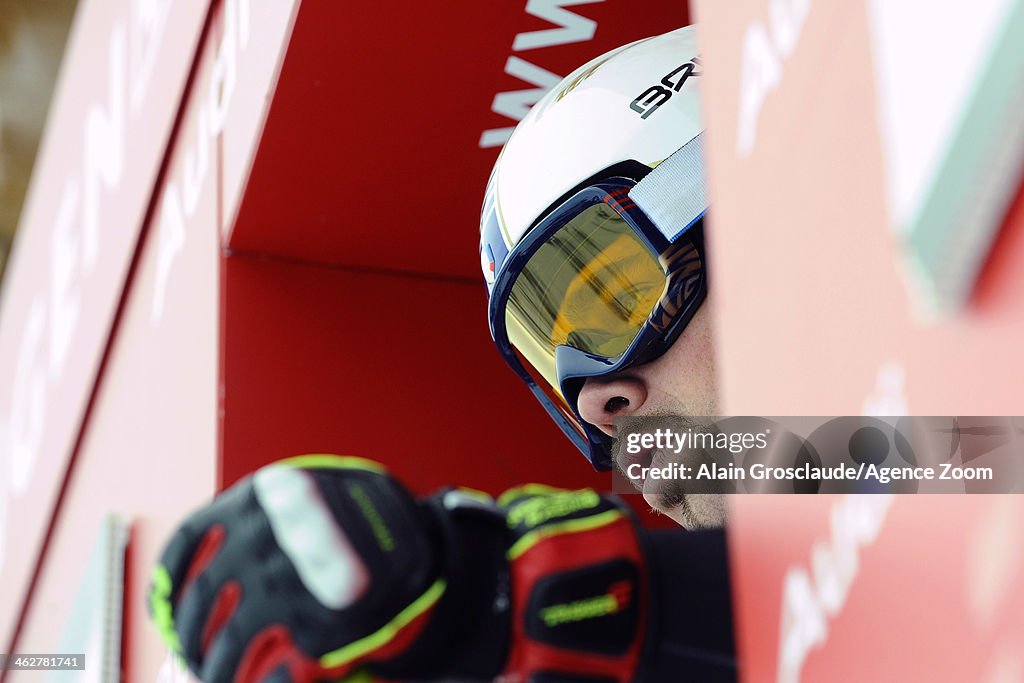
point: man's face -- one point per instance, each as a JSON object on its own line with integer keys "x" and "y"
{"x": 682, "y": 382}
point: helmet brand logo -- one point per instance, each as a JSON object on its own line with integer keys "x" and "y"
{"x": 647, "y": 102}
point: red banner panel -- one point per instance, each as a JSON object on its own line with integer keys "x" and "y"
{"x": 388, "y": 117}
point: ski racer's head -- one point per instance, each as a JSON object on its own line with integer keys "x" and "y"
{"x": 592, "y": 246}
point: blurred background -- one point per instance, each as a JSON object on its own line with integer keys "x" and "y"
{"x": 244, "y": 230}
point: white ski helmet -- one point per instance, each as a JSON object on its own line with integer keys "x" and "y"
{"x": 592, "y": 225}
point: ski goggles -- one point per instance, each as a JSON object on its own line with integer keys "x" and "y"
{"x": 599, "y": 284}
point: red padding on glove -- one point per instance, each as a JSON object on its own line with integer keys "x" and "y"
{"x": 561, "y": 553}
{"x": 205, "y": 552}
{"x": 273, "y": 646}
{"x": 269, "y": 649}
{"x": 223, "y": 607}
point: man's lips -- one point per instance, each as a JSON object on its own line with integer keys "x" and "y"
{"x": 664, "y": 495}
{"x": 626, "y": 461}
{"x": 654, "y": 490}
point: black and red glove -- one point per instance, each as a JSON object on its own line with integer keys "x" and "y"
{"x": 323, "y": 568}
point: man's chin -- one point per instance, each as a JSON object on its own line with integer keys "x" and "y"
{"x": 692, "y": 511}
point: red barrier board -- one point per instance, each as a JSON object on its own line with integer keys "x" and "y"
{"x": 148, "y": 452}
{"x": 879, "y": 588}
{"x": 814, "y": 316}
{"x": 120, "y": 88}
{"x": 801, "y": 209}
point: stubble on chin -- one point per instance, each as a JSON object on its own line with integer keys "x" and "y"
{"x": 702, "y": 511}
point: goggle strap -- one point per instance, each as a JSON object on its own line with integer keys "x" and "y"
{"x": 674, "y": 195}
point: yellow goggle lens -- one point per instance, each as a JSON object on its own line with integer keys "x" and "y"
{"x": 592, "y": 285}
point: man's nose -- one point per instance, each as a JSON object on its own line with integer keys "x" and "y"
{"x": 604, "y": 399}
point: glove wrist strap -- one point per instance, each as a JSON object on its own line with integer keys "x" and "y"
{"x": 691, "y": 622}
